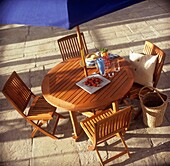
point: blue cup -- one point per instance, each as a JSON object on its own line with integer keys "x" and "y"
{"x": 101, "y": 66}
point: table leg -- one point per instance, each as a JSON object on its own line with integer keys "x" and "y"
{"x": 76, "y": 127}
{"x": 115, "y": 106}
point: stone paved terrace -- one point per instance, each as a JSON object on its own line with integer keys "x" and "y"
{"x": 32, "y": 51}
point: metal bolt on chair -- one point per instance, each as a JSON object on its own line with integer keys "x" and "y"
{"x": 40, "y": 112}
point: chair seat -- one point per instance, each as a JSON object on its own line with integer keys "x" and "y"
{"x": 134, "y": 91}
{"x": 40, "y": 109}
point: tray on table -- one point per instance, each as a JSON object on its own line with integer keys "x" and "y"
{"x": 93, "y": 89}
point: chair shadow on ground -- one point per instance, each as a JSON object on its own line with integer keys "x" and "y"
{"x": 140, "y": 142}
{"x": 143, "y": 142}
{"x": 141, "y": 151}
{"x": 138, "y": 153}
{"x": 17, "y": 129}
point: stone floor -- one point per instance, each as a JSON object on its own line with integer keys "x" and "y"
{"x": 32, "y": 52}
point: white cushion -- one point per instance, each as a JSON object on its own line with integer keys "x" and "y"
{"x": 144, "y": 67}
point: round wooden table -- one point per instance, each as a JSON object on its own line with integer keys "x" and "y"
{"x": 60, "y": 90}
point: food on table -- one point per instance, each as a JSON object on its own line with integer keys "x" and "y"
{"x": 90, "y": 59}
{"x": 93, "y": 81}
{"x": 104, "y": 54}
{"x": 94, "y": 56}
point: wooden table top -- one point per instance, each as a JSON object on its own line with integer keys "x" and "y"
{"x": 59, "y": 86}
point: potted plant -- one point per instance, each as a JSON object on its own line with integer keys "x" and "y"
{"x": 104, "y": 52}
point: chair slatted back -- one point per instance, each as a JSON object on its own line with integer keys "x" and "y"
{"x": 69, "y": 46}
{"x": 17, "y": 92}
{"x": 108, "y": 127}
{"x": 150, "y": 48}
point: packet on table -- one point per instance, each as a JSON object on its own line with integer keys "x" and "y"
{"x": 112, "y": 56}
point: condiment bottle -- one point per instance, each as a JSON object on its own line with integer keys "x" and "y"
{"x": 101, "y": 65}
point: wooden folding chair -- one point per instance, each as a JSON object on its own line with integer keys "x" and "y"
{"x": 151, "y": 49}
{"x": 40, "y": 112}
{"x": 106, "y": 125}
{"x": 69, "y": 46}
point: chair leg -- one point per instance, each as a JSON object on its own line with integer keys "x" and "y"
{"x": 34, "y": 132}
{"x": 36, "y": 129}
{"x": 56, "y": 123}
{"x": 98, "y": 155}
{"x": 57, "y": 114}
{"x": 115, "y": 156}
{"x": 124, "y": 143}
{"x": 91, "y": 147}
{"x": 138, "y": 114}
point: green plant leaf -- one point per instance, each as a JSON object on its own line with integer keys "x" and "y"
{"x": 103, "y": 49}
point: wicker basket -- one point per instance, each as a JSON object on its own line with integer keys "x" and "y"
{"x": 153, "y": 105}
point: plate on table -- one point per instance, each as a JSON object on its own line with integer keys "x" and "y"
{"x": 93, "y": 83}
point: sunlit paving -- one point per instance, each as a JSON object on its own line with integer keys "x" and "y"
{"x": 89, "y": 90}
